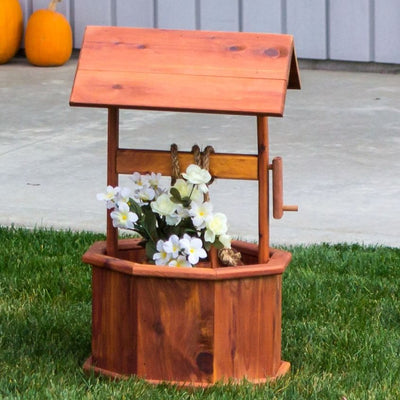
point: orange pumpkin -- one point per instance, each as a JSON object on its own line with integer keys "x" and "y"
{"x": 11, "y": 26}
{"x": 48, "y": 37}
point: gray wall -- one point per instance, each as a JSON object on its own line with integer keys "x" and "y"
{"x": 352, "y": 30}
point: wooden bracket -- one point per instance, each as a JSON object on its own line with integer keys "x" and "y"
{"x": 277, "y": 190}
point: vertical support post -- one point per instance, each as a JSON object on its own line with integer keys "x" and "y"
{"x": 263, "y": 189}
{"x": 112, "y": 176}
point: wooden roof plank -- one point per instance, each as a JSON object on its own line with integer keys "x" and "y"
{"x": 146, "y": 52}
{"x": 179, "y": 93}
{"x": 198, "y": 71}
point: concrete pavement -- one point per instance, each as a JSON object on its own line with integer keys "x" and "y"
{"x": 339, "y": 139}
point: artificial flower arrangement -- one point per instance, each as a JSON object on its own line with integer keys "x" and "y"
{"x": 177, "y": 224}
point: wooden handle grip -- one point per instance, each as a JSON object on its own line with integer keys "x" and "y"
{"x": 277, "y": 190}
{"x": 291, "y": 208}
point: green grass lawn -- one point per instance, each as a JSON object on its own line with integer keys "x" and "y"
{"x": 340, "y": 329}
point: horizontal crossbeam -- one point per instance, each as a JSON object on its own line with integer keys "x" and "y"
{"x": 222, "y": 165}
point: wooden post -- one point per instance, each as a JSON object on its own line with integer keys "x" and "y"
{"x": 263, "y": 189}
{"x": 112, "y": 176}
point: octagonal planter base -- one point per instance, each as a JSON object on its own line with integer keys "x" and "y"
{"x": 188, "y": 326}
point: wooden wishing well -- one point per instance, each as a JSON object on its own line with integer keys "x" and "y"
{"x": 193, "y": 326}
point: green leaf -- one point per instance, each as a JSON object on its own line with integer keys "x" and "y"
{"x": 207, "y": 246}
{"x": 134, "y": 207}
{"x": 186, "y": 202}
{"x": 150, "y": 224}
{"x": 174, "y": 200}
{"x": 150, "y": 251}
{"x": 176, "y": 196}
{"x": 217, "y": 244}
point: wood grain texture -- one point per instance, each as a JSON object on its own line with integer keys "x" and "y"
{"x": 247, "y": 335}
{"x": 183, "y": 329}
{"x": 220, "y": 72}
{"x": 114, "y": 336}
{"x": 277, "y": 185}
{"x": 263, "y": 188}
{"x": 112, "y": 175}
{"x": 226, "y": 166}
{"x": 175, "y": 330}
{"x": 131, "y": 261}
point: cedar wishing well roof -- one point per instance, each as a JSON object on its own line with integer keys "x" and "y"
{"x": 197, "y": 71}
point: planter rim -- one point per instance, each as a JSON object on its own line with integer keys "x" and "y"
{"x": 96, "y": 256}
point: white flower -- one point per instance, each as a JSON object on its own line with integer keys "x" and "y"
{"x": 172, "y": 246}
{"x": 144, "y": 195}
{"x": 173, "y": 219}
{"x": 216, "y": 225}
{"x": 186, "y": 189}
{"x": 193, "y": 247}
{"x": 199, "y": 213}
{"x": 225, "y": 240}
{"x": 182, "y": 212}
{"x": 197, "y": 176}
{"x": 180, "y": 261}
{"x": 122, "y": 217}
{"x": 138, "y": 179}
{"x": 154, "y": 180}
{"x": 163, "y": 205}
{"x": 110, "y": 197}
{"x": 123, "y": 195}
{"x": 162, "y": 257}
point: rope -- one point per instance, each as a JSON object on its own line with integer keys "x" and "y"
{"x": 202, "y": 159}
{"x": 197, "y": 155}
{"x": 205, "y": 160}
{"x": 227, "y": 257}
{"x": 175, "y": 168}
{"x": 230, "y": 257}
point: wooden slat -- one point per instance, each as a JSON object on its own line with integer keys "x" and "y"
{"x": 248, "y": 310}
{"x": 179, "y": 93}
{"x": 187, "y": 52}
{"x": 226, "y": 166}
{"x": 175, "y": 329}
{"x": 218, "y": 72}
{"x": 110, "y": 332}
{"x": 96, "y": 256}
